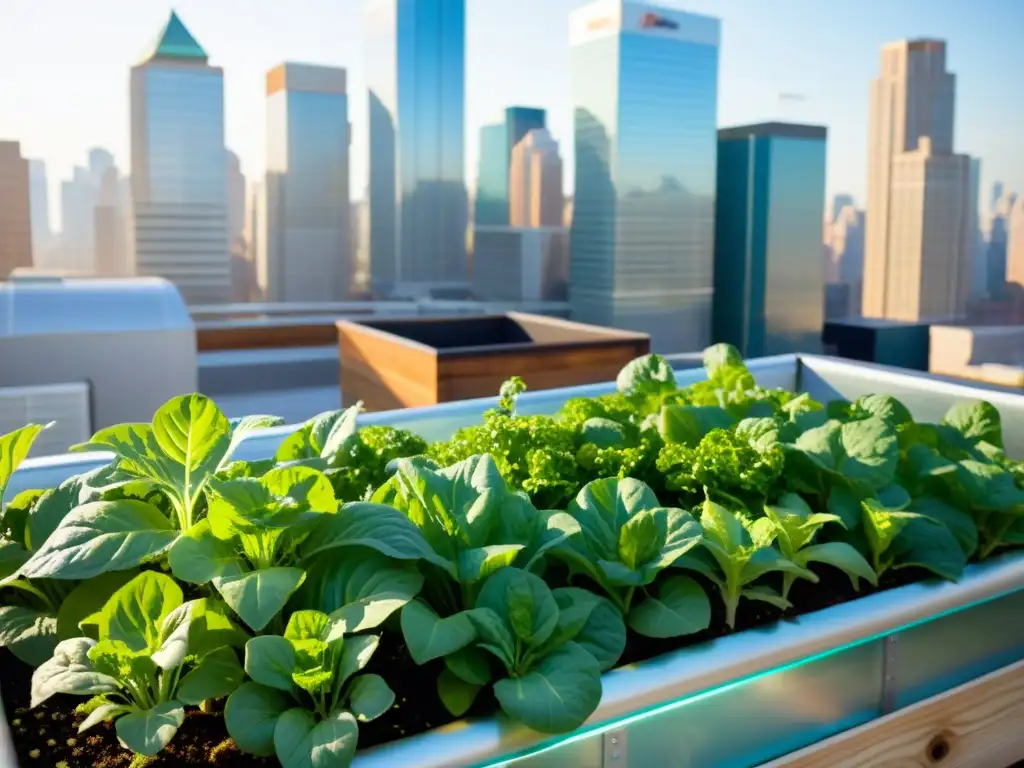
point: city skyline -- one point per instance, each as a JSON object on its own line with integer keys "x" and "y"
{"x": 757, "y": 65}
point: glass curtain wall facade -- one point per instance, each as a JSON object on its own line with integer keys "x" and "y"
{"x": 644, "y": 83}
{"x": 769, "y": 279}
{"x": 179, "y": 169}
{"x": 496, "y": 144}
{"x": 418, "y": 203}
{"x": 308, "y": 249}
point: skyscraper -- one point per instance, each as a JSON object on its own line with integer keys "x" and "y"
{"x": 15, "y": 210}
{"x": 308, "y": 252}
{"x": 535, "y": 182}
{"x": 769, "y": 279}
{"x": 911, "y": 163}
{"x": 236, "y": 201}
{"x": 497, "y": 141}
{"x": 644, "y": 90}
{"x": 415, "y": 72}
{"x": 1015, "y": 244}
{"x": 108, "y": 227}
{"x": 39, "y": 195}
{"x": 179, "y": 168}
{"x": 848, "y": 252}
{"x": 840, "y": 201}
{"x": 979, "y": 278}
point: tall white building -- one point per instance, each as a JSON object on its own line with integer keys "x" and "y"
{"x": 645, "y": 98}
{"x": 179, "y": 168}
{"x": 535, "y": 182}
{"x": 236, "y": 200}
{"x": 109, "y": 247}
{"x": 929, "y": 268}
{"x": 979, "y": 261}
{"x": 307, "y": 254}
{"x": 847, "y": 243}
{"x": 39, "y": 196}
{"x": 1015, "y": 244}
{"x": 912, "y": 168}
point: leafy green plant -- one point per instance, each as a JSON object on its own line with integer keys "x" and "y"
{"x": 247, "y": 547}
{"x": 320, "y": 438}
{"x": 735, "y": 554}
{"x": 793, "y": 526}
{"x": 551, "y": 646}
{"x": 305, "y": 700}
{"x": 178, "y": 454}
{"x": 901, "y": 537}
{"x": 626, "y": 540}
{"x": 154, "y": 655}
{"x": 360, "y": 465}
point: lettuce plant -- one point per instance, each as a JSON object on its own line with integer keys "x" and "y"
{"x": 247, "y": 547}
{"x": 627, "y": 539}
{"x": 178, "y": 454}
{"x": 735, "y": 554}
{"x": 793, "y": 526}
{"x": 154, "y": 655}
{"x": 305, "y": 700}
{"x": 550, "y": 646}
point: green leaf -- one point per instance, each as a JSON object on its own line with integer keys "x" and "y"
{"x": 70, "y": 671}
{"x": 147, "y": 731}
{"x": 603, "y": 433}
{"x": 102, "y": 714}
{"x": 842, "y": 556}
{"x": 302, "y": 484}
{"x": 212, "y": 628}
{"x": 928, "y": 544}
{"x": 172, "y": 645}
{"x": 470, "y": 664}
{"x": 882, "y": 526}
{"x": 864, "y": 452}
{"x": 493, "y": 635}
{"x": 355, "y": 655}
{"x": 12, "y": 557}
{"x": 681, "y": 608}
{"x": 31, "y": 635}
{"x": 524, "y": 602}
{"x": 260, "y": 595}
{"x": 726, "y": 369}
{"x": 369, "y": 697}
{"x": 592, "y": 622}
{"x": 638, "y": 539}
{"x": 455, "y": 693}
{"x": 199, "y": 557}
{"x": 302, "y": 742}
{"x": 767, "y": 595}
{"x": 243, "y": 428}
{"x": 53, "y": 506}
{"x": 270, "y": 660}
{"x": 377, "y": 526}
{"x": 428, "y": 636}
{"x": 990, "y": 487}
{"x": 361, "y": 588}
{"x": 557, "y": 695}
{"x": 603, "y": 506}
{"x": 134, "y": 613}
{"x": 251, "y": 715}
{"x": 885, "y": 407}
{"x": 961, "y": 525}
{"x": 722, "y": 527}
{"x": 192, "y": 432}
{"x": 687, "y": 424}
{"x": 646, "y": 377}
{"x": 218, "y": 675}
{"x": 14, "y": 447}
{"x": 102, "y": 536}
{"x": 844, "y": 504}
{"x": 86, "y": 599}
{"x": 477, "y": 564}
{"x": 976, "y": 420}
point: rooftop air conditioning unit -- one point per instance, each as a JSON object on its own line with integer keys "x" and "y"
{"x": 67, "y": 405}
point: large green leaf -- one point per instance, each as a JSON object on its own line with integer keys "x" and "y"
{"x": 369, "y": 697}
{"x": 428, "y": 636}
{"x": 14, "y": 447}
{"x": 355, "y": 655}
{"x": 646, "y": 378}
{"x": 524, "y": 602}
{"x": 198, "y": 557}
{"x": 928, "y": 544}
{"x": 86, "y": 599}
{"x": 320, "y": 437}
{"x": 722, "y": 527}
{"x": 212, "y": 628}
{"x": 885, "y": 407}
{"x": 839, "y": 555}
{"x": 456, "y": 694}
{"x": 69, "y": 670}
{"x": 192, "y": 432}
{"x": 173, "y": 642}
{"x": 52, "y": 507}
{"x": 557, "y": 695}
{"x": 244, "y": 427}
{"x": 302, "y": 742}
{"x": 592, "y": 622}
{"x": 147, "y": 731}
{"x": 976, "y": 420}
{"x": 480, "y": 562}
{"x": 12, "y": 557}
{"x": 134, "y": 613}
{"x": 960, "y": 524}
{"x": 31, "y": 635}
{"x": 864, "y": 452}
{"x": 270, "y": 661}
{"x": 251, "y": 715}
{"x": 687, "y": 424}
{"x": 260, "y": 595}
{"x": 102, "y": 536}
{"x": 602, "y": 507}
{"x": 360, "y": 587}
{"x": 218, "y": 675}
{"x": 681, "y": 608}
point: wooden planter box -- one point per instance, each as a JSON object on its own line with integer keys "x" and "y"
{"x": 401, "y": 363}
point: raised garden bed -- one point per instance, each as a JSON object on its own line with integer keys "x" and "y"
{"x": 832, "y": 663}
{"x": 409, "y": 362}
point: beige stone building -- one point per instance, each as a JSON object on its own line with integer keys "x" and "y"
{"x": 535, "y": 182}
{"x": 15, "y": 210}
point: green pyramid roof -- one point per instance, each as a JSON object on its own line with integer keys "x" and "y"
{"x": 176, "y": 42}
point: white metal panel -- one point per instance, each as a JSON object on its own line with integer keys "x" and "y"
{"x": 67, "y": 405}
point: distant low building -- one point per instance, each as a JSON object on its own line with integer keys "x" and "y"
{"x": 992, "y": 354}
{"x": 521, "y": 264}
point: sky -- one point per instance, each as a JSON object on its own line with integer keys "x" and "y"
{"x": 64, "y": 68}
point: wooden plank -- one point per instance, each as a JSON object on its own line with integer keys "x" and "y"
{"x": 212, "y": 338}
{"x": 979, "y": 724}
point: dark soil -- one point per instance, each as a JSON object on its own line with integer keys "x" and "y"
{"x": 48, "y": 735}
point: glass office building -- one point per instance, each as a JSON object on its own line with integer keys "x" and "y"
{"x": 417, "y": 195}
{"x": 769, "y": 274}
{"x": 179, "y": 168}
{"x": 307, "y": 249}
{"x": 644, "y": 85}
{"x": 496, "y": 144}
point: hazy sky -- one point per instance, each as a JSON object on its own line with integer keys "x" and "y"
{"x": 64, "y": 70}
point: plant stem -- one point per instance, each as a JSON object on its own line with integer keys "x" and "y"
{"x": 787, "y": 582}
{"x": 731, "y": 603}
{"x": 628, "y": 601}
